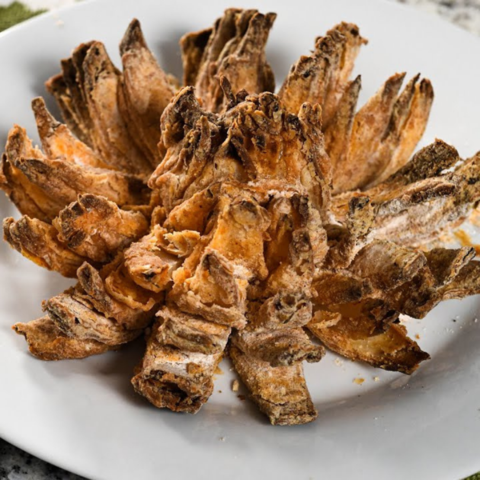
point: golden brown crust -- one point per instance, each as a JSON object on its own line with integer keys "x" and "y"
{"x": 193, "y": 45}
{"x": 192, "y": 138}
{"x": 303, "y": 164}
{"x": 466, "y": 283}
{"x": 149, "y": 264}
{"x": 91, "y": 287}
{"x": 57, "y": 87}
{"x": 190, "y": 332}
{"x": 279, "y": 392}
{"x": 97, "y": 229}
{"x": 64, "y": 181}
{"x": 216, "y": 290}
{"x": 235, "y": 49}
{"x": 29, "y": 198}
{"x": 369, "y": 125}
{"x": 449, "y": 273}
{"x": 345, "y": 240}
{"x": 37, "y": 241}
{"x": 423, "y": 198}
{"x": 407, "y": 129}
{"x": 339, "y": 287}
{"x": 179, "y": 380}
{"x": 339, "y": 128}
{"x": 213, "y": 281}
{"x": 353, "y": 338}
{"x": 387, "y": 265}
{"x": 110, "y": 135}
{"x": 145, "y": 90}
{"x": 76, "y": 318}
{"x": 47, "y": 342}
{"x": 58, "y": 141}
{"x": 323, "y": 76}
{"x": 121, "y": 286}
{"x": 52, "y": 183}
{"x": 74, "y": 78}
{"x": 279, "y": 348}
{"x": 348, "y": 38}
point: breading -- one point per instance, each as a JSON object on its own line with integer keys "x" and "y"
{"x": 47, "y": 342}
{"x": 58, "y": 142}
{"x": 279, "y": 392}
{"x": 91, "y": 287}
{"x": 179, "y": 380}
{"x": 354, "y": 338}
{"x": 29, "y": 198}
{"x": 64, "y": 181}
{"x": 281, "y": 347}
{"x": 323, "y": 76}
{"x": 190, "y": 332}
{"x": 97, "y": 229}
{"x": 37, "y": 241}
{"x": 145, "y": 91}
{"x": 148, "y": 264}
{"x": 76, "y": 318}
{"x": 235, "y": 49}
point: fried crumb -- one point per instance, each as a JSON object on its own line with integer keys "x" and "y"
{"x": 218, "y": 371}
{"x": 376, "y": 379}
{"x": 235, "y": 386}
{"x": 219, "y": 391}
{"x": 241, "y": 397}
{"x": 358, "y": 380}
{"x": 417, "y": 336}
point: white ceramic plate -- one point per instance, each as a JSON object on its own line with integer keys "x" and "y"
{"x": 84, "y": 415}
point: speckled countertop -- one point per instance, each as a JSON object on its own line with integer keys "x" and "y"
{"x": 16, "y": 464}
{"x": 465, "y": 13}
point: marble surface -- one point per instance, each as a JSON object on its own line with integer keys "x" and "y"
{"x": 464, "y": 13}
{"x": 16, "y": 464}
